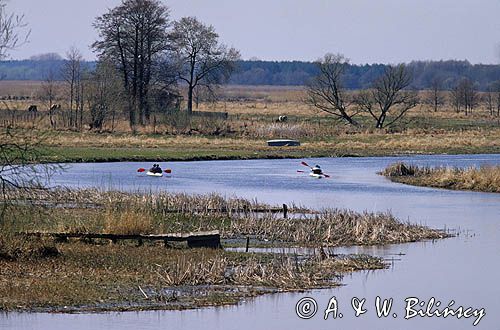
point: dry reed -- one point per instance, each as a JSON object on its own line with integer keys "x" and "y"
{"x": 119, "y": 277}
{"x": 484, "y": 178}
{"x": 126, "y": 213}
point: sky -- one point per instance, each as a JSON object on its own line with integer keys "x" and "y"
{"x": 366, "y": 31}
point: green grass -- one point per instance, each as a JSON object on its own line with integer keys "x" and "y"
{"x": 117, "y": 154}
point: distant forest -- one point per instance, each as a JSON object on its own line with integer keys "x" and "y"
{"x": 294, "y": 73}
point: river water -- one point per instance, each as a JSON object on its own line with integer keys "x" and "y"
{"x": 464, "y": 269}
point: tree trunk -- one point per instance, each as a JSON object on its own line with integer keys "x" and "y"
{"x": 190, "y": 100}
{"x": 380, "y": 121}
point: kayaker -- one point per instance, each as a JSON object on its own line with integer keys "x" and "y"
{"x": 156, "y": 169}
{"x": 317, "y": 170}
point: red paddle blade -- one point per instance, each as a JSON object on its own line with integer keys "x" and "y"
{"x": 326, "y": 175}
{"x": 141, "y": 170}
{"x": 305, "y": 164}
{"x": 168, "y": 171}
{"x": 299, "y": 171}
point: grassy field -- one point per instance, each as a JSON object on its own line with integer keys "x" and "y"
{"x": 486, "y": 178}
{"x": 253, "y": 112}
{"x": 93, "y": 147}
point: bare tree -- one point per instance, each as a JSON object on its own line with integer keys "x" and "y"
{"x": 498, "y": 98}
{"x": 489, "y": 99}
{"x": 133, "y": 36}
{"x": 13, "y": 30}
{"x": 19, "y": 149}
{"x": 104, "y": 93}
{"x": 325, "y": 91}
{"x": 436, "y": 97}
{"x": 455, "y": 98}
{"x": 495, "y": 94}
{"x": 72, "y": 74}
{"x": 48, "y": 93}
{"x": 465, "y": 94}
{"x": 199, "y": 57}
{"x": 388, "y": 96}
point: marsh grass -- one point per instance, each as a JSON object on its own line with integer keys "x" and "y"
{"x": 119, "y": 277}
{"x": 484, "y": 178}
{"x": 15, "y": 247}
{"x": 335, "y": 227}
{"x": 95, "y": 211}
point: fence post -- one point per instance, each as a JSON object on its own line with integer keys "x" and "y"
{"x": 285, "y": 211}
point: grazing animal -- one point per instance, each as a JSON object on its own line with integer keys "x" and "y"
{"x": 282, "y": 119}
{"x": 32, "y": 108}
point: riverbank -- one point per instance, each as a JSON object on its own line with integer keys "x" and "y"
{"x": 485, "y": 178}
{"x": 93, "y": 147}
{"x": 40, "y": 274}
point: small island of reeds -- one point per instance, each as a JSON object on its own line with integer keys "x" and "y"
{"x": 484, "y": 178}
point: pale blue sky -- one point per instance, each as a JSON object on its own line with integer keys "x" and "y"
{"x": 367, "y": 31}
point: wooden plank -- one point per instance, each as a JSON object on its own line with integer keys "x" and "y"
{"x": 194, "y": 239}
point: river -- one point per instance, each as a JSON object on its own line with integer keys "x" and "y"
{"x": 464, "y": 269}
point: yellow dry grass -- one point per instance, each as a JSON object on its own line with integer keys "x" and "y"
{"x": 484, "y": 178}
{"x": 127, "y": 222}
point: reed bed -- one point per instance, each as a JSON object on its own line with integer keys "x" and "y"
{"x": 278, "y": 271}
{"x": 94, "y": 211}
{"x": 484, "y": 178}
{"x": 95, "y": 278}
{"x": 335, "y": 227}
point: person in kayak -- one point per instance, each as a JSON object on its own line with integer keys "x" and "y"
{"x": 317, "y": 170}
{"x": 156, "y": 169}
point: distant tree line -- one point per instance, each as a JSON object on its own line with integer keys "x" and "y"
{"x": 355, "y": 76}
{"x": 296, "y": 73}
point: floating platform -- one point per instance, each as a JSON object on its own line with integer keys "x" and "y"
{"x": 283, "y": 143}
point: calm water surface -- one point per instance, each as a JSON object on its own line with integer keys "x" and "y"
{"x": 465, "y": 269}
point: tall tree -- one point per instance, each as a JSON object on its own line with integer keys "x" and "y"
{"x": 388, "y": 96}
{"x": 48, "y": 93}
{"x": 103, "y": 95}
{"x": 325, "y": 91}
{"x": 133, "y": 36}
{"x": 489, "y": 99}
{"x": 465, "y": 94}
{"x": 72, "y": 74}
{"x": 200, "y": 58}
{"x": 435, "y": 97}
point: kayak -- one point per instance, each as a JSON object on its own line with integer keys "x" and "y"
{"x": 154, "y": 174}
{"x": 316, "y": 176}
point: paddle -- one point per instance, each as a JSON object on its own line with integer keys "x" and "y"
{"x": 141, "y": 170}
{"x": 168, "y": 171}
{"x": 305, "y": 164}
